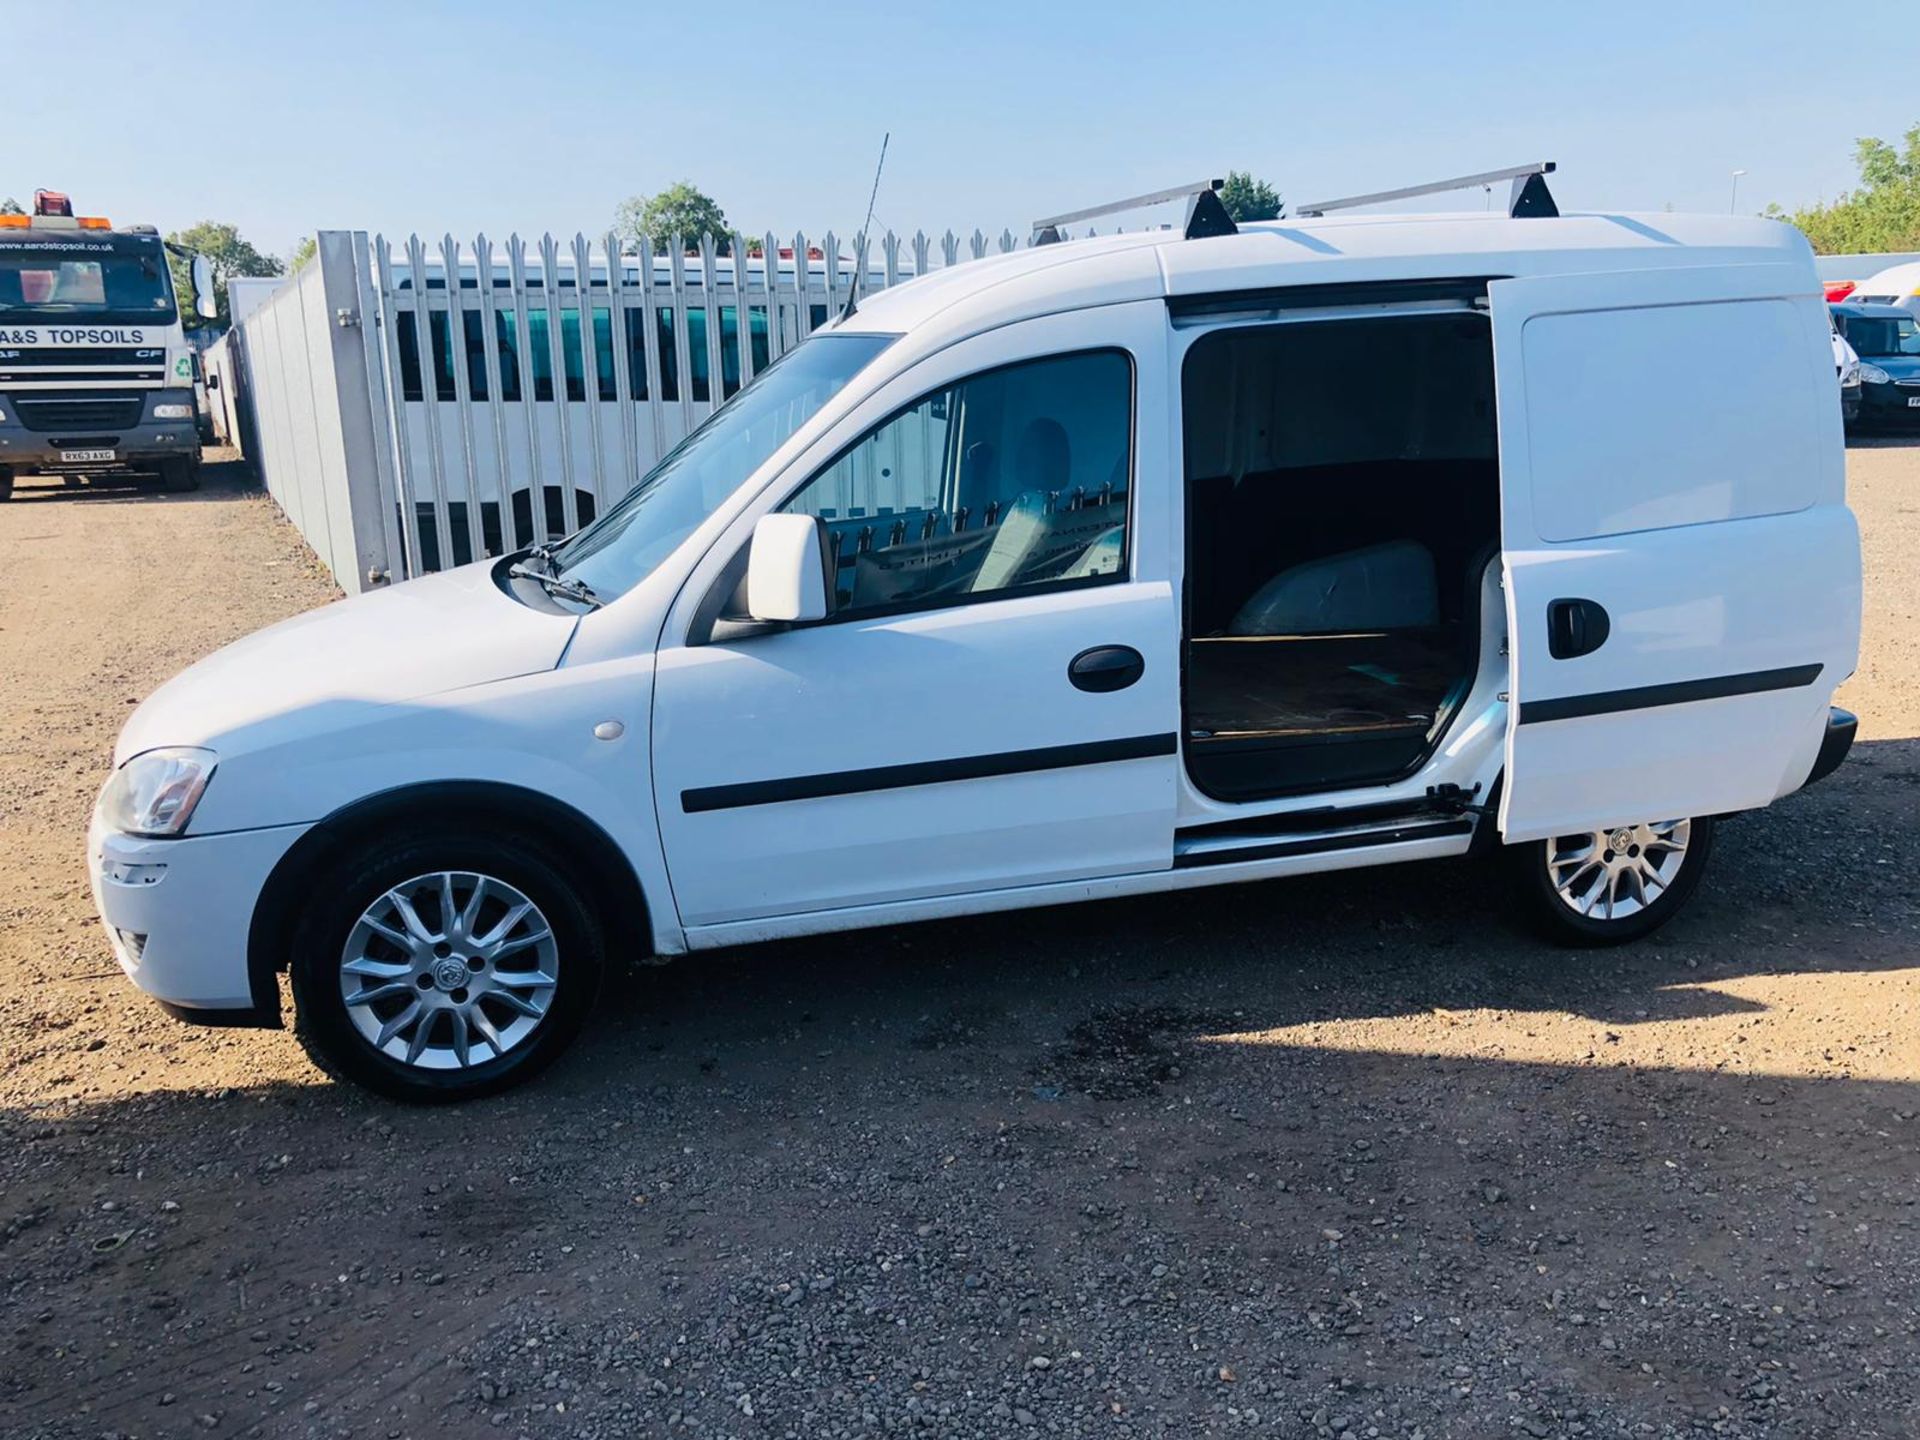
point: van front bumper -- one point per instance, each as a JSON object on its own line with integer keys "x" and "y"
{"x": 1889, "y": 405}
{"x": 178, "y": 913}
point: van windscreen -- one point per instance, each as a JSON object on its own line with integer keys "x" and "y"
{"x": 1877, "y": 337}
{"x": 621, "y": 548}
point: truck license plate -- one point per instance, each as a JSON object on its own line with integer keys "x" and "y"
{"x": 82, "y": 457}
{"x": 1913, "y": 402}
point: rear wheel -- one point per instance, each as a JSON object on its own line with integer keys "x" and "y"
{"x": 442, "y": 967}
{"x": 180, "y": 476}
{"x": 1606, "y": 887}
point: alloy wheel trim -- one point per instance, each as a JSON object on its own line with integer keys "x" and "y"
{"x": 449, "y": 970}
{"x": 1617, "y": 873}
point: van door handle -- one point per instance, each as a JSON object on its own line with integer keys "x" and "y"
{"x": 1105, "y": 668}
{"x": 1576, "y": 627}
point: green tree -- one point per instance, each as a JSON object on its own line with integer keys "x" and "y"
{"x": 227, "y": 251}
{"x": 1249, "y": 199}
{"x": 302, "y": 253}
{"x": 1882, "y": 214}
{"x": 680, "y": 210}
{"x": 11, "y": 206}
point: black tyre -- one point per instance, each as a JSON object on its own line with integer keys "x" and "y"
{"x": 6, "y": 484}
{"x": 441, "y": 966}
{"x": 180, "y": 476}
{"x": 1611, "y": 886}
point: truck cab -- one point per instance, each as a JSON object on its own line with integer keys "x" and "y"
{"x": 1150, "y": 562}
{"x": 96, "y": 377}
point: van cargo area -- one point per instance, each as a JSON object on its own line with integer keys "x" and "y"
{"x": 1343, "y": 491}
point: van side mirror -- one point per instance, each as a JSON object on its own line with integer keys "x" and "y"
{"x": 205, "y": 303}
{"x": 787, "y": 569}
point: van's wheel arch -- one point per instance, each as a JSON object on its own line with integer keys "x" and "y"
{"x": 436, "y": 964}
{"x": 1608, "y": 887}
{"x": 590, "y": 858}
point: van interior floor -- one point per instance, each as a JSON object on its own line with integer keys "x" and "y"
{"x": 1261, "y": 705}
{"x": 1338, "y": 537}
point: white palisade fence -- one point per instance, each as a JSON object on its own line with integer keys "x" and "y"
{"x": 418, "y": 406}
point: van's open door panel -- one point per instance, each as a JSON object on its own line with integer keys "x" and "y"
{"x": 1682, "y": 572}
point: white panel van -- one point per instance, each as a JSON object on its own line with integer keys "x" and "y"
{"x": 1129, "y": 564}
{"x": 1896, "y": 285}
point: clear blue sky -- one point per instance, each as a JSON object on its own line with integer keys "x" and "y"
{"x": 542, "y": 115}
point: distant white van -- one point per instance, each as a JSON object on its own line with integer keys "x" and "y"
{"x": 1896, "y": 285}
{"x": 1141, "y": 563}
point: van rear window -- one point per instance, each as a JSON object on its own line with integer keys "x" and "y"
{"x": 1676, "y": 415}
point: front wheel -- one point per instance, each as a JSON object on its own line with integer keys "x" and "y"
{"x": 6, "y": 484}
{"x": 1606, "y": 887}
{"x": 180, "y": 476}
{"x": 443, "y": 967}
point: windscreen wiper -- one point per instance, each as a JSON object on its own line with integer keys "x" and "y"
{"x": 577, "y": 591}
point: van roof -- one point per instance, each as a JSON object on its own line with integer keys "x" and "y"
{"x": 1347, "y": 248}
{"x": 1895, "y": 280}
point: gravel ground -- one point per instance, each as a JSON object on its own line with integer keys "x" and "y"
{"x": 1347, "y": 1156}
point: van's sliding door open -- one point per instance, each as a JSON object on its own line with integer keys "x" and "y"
{"x": 1683, "y": 574}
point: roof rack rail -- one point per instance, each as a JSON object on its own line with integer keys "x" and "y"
{"x": 1529, "y": 200}
{"x": 1206, "y": 216}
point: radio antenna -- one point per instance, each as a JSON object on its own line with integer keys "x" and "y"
{"x": 860, "y": 253}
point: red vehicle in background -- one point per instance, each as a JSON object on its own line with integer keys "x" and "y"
{"x": 1839, "y": 290}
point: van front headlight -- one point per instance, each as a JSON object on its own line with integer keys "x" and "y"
{"x": 154, "y": 793}
{"x": 171, "y": 411}
{"x": 1874, "y": 375}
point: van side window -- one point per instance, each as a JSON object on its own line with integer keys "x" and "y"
{"x": 1012, "y": 478}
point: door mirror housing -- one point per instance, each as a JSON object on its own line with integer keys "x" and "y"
{"x": 787, "y": 569}
{"x": 205, "y": 303}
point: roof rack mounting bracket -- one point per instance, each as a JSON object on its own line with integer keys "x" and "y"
{"x": 1530, "y": 199}
{"x": 1207, "y": 217}
{"x": 1205, "y": 214}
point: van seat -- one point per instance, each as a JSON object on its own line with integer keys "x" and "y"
{"x": 1389, "y": 586}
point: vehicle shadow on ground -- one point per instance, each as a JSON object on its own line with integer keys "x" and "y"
{"x": 222, "y": 479}
{"x": 1803, "y": 885}
{"x": 1040, "y": 1107}
{"x": 1883, "y": 439}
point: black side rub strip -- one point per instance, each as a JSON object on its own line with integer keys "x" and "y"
{"x": 926, "y": 772}
{"x": 1681, "y": 692}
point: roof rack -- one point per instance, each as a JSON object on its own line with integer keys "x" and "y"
{"x": 1206, "y": 216}
{"x": 1529, "y": 200}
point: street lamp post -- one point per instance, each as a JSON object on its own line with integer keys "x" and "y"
{"x": 1733, "y": 200}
